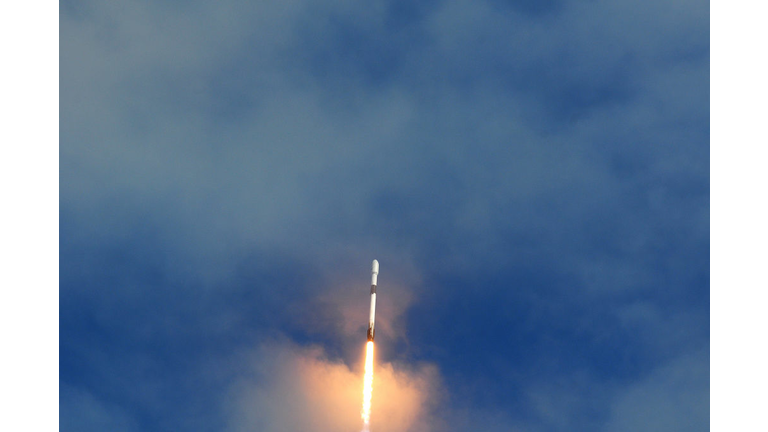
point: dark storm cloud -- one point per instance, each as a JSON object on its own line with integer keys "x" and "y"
{"x": 533, "y": 177}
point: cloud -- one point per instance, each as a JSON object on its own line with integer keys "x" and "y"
{"x": 81, "y": 411}
{"x": 675, "y": 397}
{"x": 457, "y": 147}
{"x": 298, "y": 388}
{"x": 533, "y": 178}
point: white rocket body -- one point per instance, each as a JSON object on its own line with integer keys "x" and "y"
{"x": 372, "y": 316}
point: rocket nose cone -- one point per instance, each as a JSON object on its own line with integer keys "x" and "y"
{"x": 375, "y": 267}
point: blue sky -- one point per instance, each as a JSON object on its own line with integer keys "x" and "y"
{"x": 532, "y": 176}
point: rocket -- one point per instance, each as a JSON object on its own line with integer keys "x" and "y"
{"x": 372, "y": 316}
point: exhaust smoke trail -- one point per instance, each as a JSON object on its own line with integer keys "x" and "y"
{"x": 367, "y": 387}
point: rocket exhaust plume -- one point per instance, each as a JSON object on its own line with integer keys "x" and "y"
{"x": 367, "y": 387}
{"x": 368, "y": 381}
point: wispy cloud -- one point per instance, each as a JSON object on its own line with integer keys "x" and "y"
{"x": 533, "y": 178}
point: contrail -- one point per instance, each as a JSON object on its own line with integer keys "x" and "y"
{"x": 368, "y": 381}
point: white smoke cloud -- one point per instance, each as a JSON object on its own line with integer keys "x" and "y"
{"x": 293, "y": 388}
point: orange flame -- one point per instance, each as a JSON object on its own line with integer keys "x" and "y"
{"x": 367, "y": 386}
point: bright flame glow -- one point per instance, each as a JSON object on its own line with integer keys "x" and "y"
{"x": 367, "y": 386}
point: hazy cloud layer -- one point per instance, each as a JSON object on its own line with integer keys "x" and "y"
{"x": 533, "y": 177}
